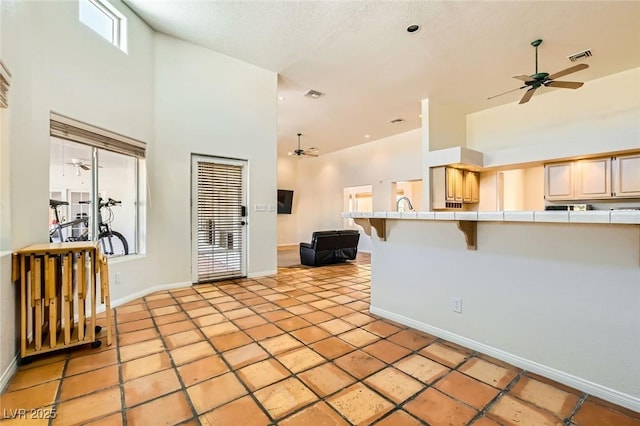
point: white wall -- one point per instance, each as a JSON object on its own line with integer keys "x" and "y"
{"x": 602, "y": 116}
{"x": 178, "y": 98}
{"x": 288, "y": 179}
{"x": 321, "y": 180}
{"x": 551, "y": 298}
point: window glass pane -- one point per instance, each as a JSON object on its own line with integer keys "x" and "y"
{"x": 70, "y": 181}
{"x": 117, "y": 179}
{"x": 97, "y": 19}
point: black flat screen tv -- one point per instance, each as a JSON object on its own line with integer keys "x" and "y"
{"x": 285, "y": 201}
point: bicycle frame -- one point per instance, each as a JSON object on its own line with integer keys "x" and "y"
{"x": 57, "y": 229}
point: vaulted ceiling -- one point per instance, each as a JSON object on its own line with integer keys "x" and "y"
{"x": 372, "y": 70}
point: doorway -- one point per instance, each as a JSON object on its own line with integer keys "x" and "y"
{"x": 218, "y": 218}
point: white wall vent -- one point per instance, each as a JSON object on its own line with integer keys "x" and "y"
{"x": 580, "y": 55}
{"x": 314, "y": 94}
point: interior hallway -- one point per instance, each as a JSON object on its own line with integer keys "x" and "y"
{"x": 298, "y": 348}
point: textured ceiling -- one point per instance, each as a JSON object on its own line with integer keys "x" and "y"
{"x": 372, "y": 70}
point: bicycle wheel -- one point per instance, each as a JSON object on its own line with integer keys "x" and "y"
{"x": 113, "y": 244}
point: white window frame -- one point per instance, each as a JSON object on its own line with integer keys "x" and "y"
{"x": 119, "y": 22}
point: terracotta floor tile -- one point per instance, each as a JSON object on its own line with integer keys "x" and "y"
{"x": 300, "y": 359}
{"x": 399, "y": 418}
{"x": 167, "y": 301}
{"x": 300, "y": 309}
{"x": 291, "y": 324}
{"x": 279, "y": 344}
{"x": 317, "y": 317}
{"x": 484, "y": 371}
{"x": 35, "y": 376}
{"x": 202, "y": 311}
{"x": 277, "y": 315}
{"x": 511, "y": 410}
{"x": 466, "y": 389}
{"x": 322, "y": 304}
{"x": 188, "y": 353}
{"x": 326, "y": 379}
{"x": 145, "y": 365}
{"x": 202, "y": 369}
{"x": 86, "y": 383}
{"x": 93, "y": 406}
{"x": 114, "y": 419}
{"x": 307, "y": 298}
{"x": 411, "y": 339}
{"x": 592, "y": 414}
{"x": 137, "y": 336}
{"x": 421, "y": 368}
{"x": 243, "y": 411}
{"x": 394, "y": 384}
{"x": 128, "y": 308}
{"x": 183, "y": 338}
{"x": 545, "y": 396}
{"x": 310, "y": 334}
{"x": 150, "y": 387}
{"x": 176, "y": 327}
{"x": 359, "y": 364}
{"x": 318, "y": 414}
{"x": 171, "y": 409}
{"x": 359, "y": 404}
{"x": 239, "y": 313}
{"x": 339, "y": 311}
{"x": 138, "y": 350}
{"x": 381, "y": 328}
{"x": 33, "y": 397}
{"x": 214, "y": 392}
{"x": 135, "y": 325}
{"x": 225, "y": 327}
{"x": 167, "y": 319}
{"x": 230, "y": 341}
{"x": 133, "y": 316}
{"x": 386, "y": 351}
{"x": 359, "y": 337}
{"x": 249, "y": 322}
{"x": 438, "y": 409}
{"x": 444, "y": 354}
{"x": 245, "y": 355}
{"x": 165, "y": 310}
{"x": 336, "y": 326}
{"x": 485, "y": 421}
{"x": 332, "y": 347}
{"x": 358, "y": 319}
{"x": 358, "y": 306}
{"x": 262, "y": 374}
{"x": 209, "y": 320}
{"x": 264, "y": 332}
{"x": 284, "y": 397}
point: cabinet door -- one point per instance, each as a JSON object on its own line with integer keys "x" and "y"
{"x": 451, "y": 184}
{"x": 593, "y": 179}
{"x": 626, "y": 176}
{"x": 558, "y": 181}
{"x": 471, "y": 190}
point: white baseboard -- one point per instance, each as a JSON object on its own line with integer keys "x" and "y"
{"x": 261, "y": 274}
{"x": 8, "y": 373}
{"x": 142, "y": 293}
{"x": 591, "y": 388}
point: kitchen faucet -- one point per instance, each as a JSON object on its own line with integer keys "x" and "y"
{"x": 408, "y": 203}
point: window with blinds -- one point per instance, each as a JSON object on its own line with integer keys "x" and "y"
{"x": 5, "y": 77}
{"x": 219, "y": 230}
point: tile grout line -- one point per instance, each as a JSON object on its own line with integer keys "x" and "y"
{"x": 569, "y": 419}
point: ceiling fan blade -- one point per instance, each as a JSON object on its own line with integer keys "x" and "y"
{"x": 309, "y": 154}
{"x": 523, "y": 77}
{"x": 568, "y": 71}
{"x": 565, "y": 84}
{"x": 504, "y": 93}
{"x": 528, "y": 95}
{"x": 85, "y": 167}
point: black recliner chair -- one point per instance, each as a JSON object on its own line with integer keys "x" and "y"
{"x": 329, "y": 247}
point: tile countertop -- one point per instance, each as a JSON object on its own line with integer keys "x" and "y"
{"x": 630, "y": 217}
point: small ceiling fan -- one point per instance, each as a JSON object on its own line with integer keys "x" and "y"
{"x": 535, "y": 81}
{"x": 80, "y": 164}
{"x": 311, "y": 152}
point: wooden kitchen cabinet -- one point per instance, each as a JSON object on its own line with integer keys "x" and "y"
{"x": 626, "y": 176}
{"x": 559, "y": 181}
{"x": 593, "y": 179}
{"x": 451, "y": 187}
{"x": 471, "y": 190}
{"x": 454, "y": 184}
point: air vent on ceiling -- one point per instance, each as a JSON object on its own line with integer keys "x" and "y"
{"x": 397, "y": 120}
{"x": 314, "y": 94}
{"x": 580, "y": 55}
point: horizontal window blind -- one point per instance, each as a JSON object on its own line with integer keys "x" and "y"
{"x": 5, "y": 78}
{"x": 76, "y": 131}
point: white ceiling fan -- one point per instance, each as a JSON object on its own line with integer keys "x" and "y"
{"x": 79, "y": 163}
{"x": 311, "y": 152}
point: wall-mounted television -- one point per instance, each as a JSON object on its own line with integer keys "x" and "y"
{"x": 285, "y": 201}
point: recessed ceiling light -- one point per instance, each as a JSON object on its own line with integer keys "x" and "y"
{"x": 419, "y": 115}
{"x": 367, "y": 136}
{"x": 281, "y": 98}
{"x": 413, "y": 28}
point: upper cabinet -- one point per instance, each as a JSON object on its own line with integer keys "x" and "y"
{"x": 593, "y": 179}
{"x": 451, "y": 187}
{"x": 626, "y": 176}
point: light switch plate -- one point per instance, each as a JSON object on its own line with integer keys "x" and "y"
{"x": 271, "y": 207}
{"x": 260, "y": 207}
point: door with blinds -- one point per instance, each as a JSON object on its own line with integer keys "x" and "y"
{"x": 218, "y": 221}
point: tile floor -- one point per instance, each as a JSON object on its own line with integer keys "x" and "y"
{"x": 299, "y": 348}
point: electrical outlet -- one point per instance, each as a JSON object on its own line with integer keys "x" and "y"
{"x": 457, "y": 305}
{"x": 118, "y": 277}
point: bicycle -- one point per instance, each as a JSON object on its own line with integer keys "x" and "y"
{"x": 112, "y": 243}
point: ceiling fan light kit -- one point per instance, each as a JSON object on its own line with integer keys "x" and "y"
{"x": 539, "y": 79}
{"x": 311, "y": 152}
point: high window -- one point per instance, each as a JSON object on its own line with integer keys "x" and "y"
{"x": 97, "y": 183}
{"x": 106, "y": 20}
